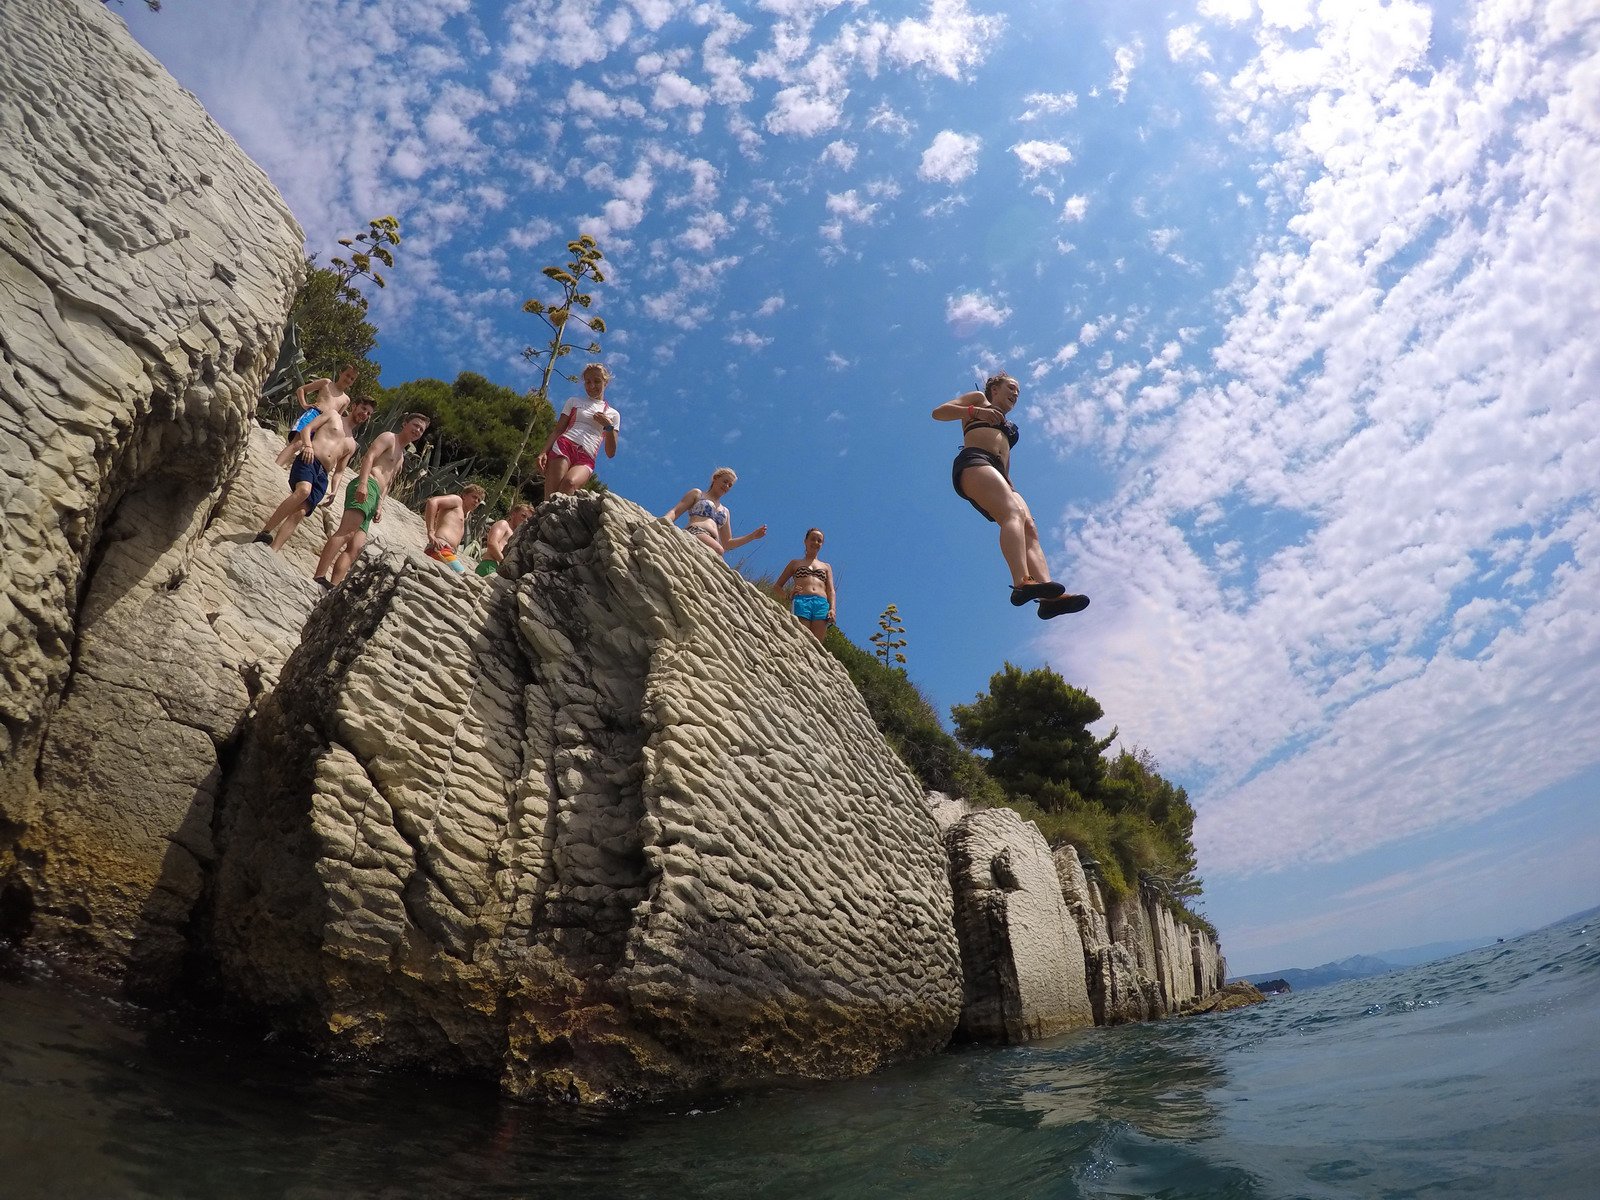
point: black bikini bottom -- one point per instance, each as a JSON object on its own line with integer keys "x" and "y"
{"x": 971, "y": 456}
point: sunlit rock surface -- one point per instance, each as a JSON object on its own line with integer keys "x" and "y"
{"x": 146, "y": 266}
{"x": 1141, "y": 961}
{"x": 612, "y": 827}
{"x": 1021, "y": 955}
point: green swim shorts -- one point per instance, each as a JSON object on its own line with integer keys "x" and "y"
{"x": 370, "y": 507}
{"x": 486, "y": 567}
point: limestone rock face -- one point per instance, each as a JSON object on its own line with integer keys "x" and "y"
{"x": 1142, "y": 962}
{"x": 1021, "y": 955}
{"x": 146, "y": 267}
{"x": 607, "y": 826}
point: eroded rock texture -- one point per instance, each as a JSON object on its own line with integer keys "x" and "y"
{"x": 614, "y": 828}
{"x": 1141, "y": 961}
{"x": 1021, "y": 956}
{"x": 146, "y": 266}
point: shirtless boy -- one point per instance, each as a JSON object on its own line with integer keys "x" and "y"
{"x": 321, "y": 458}
{"x": 445, "y": 519}
{"x": 319, "y": 398}
{"x": 499, "y": 537}
{"x": 363, "y": 499}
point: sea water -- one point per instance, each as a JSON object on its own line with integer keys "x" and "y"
{"x": 1475, "y": 1076}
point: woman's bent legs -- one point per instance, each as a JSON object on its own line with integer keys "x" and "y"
{"x": 1019, "y": 538}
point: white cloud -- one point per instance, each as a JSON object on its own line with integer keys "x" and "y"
{"x": 1127, "y": 58}
{"x": 748, "y": 339}
{"x": 1037, "y": 156}
{"x": 769, "y": 306}
{"x": 842, "y": 154}
{"x": 1044, "y": 104}
{"x": 951, "y": 157}
{"x": 1075, "y": 208}
{"x": 804, "y": 111}
{"x": 968, "y": 312}
{"x": 1367, "y": 556}
{"x": 1185, "y": 43}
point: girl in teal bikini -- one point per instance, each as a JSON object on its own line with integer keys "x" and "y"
{"x": 811, "y": 593}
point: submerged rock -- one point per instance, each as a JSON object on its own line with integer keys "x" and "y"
{"x": 608, "y": 827}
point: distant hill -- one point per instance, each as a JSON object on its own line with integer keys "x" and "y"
{"x": 1360, "y": 966}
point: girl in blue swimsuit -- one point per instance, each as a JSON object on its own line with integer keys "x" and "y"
{"x": 981, "y": 474}
{"x": 709, "y": 519}
{"x": 811, "y": 596}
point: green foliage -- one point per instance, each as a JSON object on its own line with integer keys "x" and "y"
{"x": 911, "y": 726}
{"x": 1035, "y": 725}
{"x": 331, "y": 316}
{"x": 887, "y": 642}
{"x": 558, "y": 317}
{"x": 478, "y": 421}
{"x": 1130, "y": 824}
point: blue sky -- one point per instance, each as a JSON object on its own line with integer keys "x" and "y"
{"x": 1302, "y": 297}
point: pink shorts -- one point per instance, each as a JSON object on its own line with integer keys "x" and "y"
{"x": 573, "y": 453}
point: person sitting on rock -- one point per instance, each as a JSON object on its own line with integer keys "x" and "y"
{"x": 319, "y": 398}
{"x": 811, "y": 588}
{"x": 499, "y": 536}
{"x": 709, "y": 519}
{"x": 363, "y": 499}
{"x": 568, "y": 458}
{"x": 326, "y": 448}
{"x": 445, "y": 520}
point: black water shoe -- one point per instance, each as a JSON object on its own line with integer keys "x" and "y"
{"x": 1033, "y": 590}
{"x": 264, "y": 538}
{"x": 1060, "y": 605}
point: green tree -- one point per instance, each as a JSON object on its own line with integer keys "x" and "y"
{"x": 479, "y": 421}
{"x": 331, "y": 316}
{"x": 559, "y": 316}
{"x": 1035, "y": 726}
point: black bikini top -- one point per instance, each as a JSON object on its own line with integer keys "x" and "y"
{"x": 1009, "y": 429}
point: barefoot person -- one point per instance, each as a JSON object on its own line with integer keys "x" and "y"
{"x": 568, "y": 458}
{"x": 319, "y": 398}
{"x": 363, "y": 499}
{"x": 811, "y": 596}
{"x": 982, "y": 476}
{"x": 499, "y": 537}
{"x": 323, "y": 451}
{"x": 445, "y": 520}
{"x": 708, "y": 516}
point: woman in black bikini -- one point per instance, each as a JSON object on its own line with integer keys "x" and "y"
{"x": 982, "y": 476}
{"x": 811, "y": 592}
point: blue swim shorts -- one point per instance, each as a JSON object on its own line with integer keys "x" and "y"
{"x": 810, "y": 608}
{"x": 315, "y": 474}
{"x": 310, "y": 415}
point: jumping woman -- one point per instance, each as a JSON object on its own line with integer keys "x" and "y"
{"x": 586, "y": 427}
{"x": 982, "y": 477}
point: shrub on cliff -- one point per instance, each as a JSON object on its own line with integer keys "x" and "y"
{"x": 911, "y": 726}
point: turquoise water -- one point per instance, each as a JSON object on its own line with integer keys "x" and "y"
{"x": 1476, "y": 1076}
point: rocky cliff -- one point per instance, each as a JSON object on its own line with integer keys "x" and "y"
{"x": 145, "y": 269}
{"x": 614, "y": 829}
{"x": 607, "y": 826}
{"x": 1043, "y": 950}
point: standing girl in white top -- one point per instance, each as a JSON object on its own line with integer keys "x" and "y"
{"x": 709, "y": 519}
{"x": 568, "y": 457}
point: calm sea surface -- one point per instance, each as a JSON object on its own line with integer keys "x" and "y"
{"x": 1475, "y": 1076}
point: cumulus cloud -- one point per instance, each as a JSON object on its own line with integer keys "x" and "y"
{"x": 1038, "y": 156}
{"x": 841, "y": 154}
{"x": 967, "y": 312}
{"x": 951, "y": 157}
{"x": 748, "y": 339}
{"x": 1075, "y": 208}
{"x": 1126, "y": 59}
